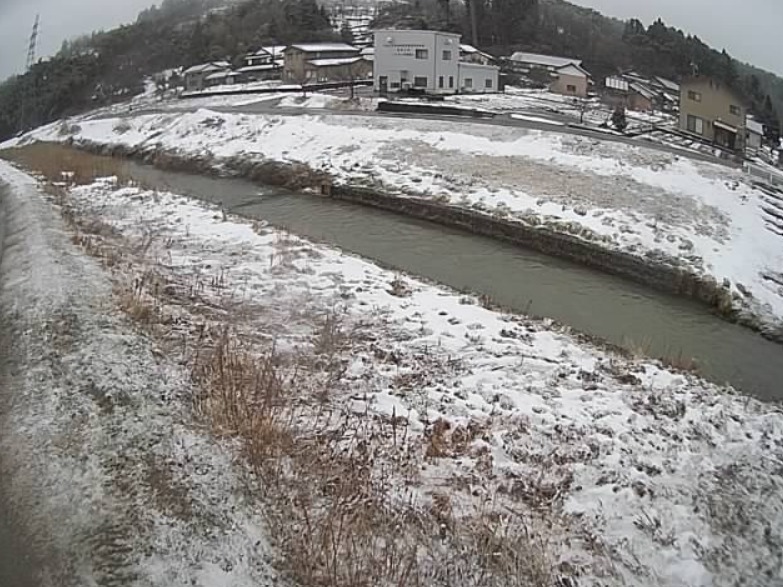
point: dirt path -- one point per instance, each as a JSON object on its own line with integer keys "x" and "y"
{"x": 100, "y": 462}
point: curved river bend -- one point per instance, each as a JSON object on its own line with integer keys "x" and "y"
{"x": 608, "y": 307}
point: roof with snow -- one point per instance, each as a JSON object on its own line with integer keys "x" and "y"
{"x": 668, "y": 84}
{"x": 273, "y": 50}
{"x": 572, "y": 69}
{"x": 207, "y": 67}
{"x": 544, "y": 60}
{"x": 323, "y": 47}
{"x": 644, "y": 91}
{"x": 220, "y": 75}
{"x": 334, "y": 62}
{"x": 262, "y": 67}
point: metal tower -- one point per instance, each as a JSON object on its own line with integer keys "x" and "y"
{"x": 33, "y": 43}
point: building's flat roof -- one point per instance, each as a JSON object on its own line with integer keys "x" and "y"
{"x": 323, "y": 47}
{"x": 333, "y": 62}
{"x": 545, "y": 60}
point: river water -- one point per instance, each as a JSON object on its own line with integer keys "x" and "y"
{"x": 611, "y": 308}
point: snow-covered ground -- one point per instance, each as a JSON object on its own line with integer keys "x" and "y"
{"x": 707, "y": 217}
{"x": 102, "y": 464}
{"x": 624, "y": 472}
{"x": 591, "y": 111}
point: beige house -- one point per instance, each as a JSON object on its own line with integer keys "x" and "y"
{"x": 571, "y": 80}
{"x": 713, "y": 111}
{"x": 313, "y": 63}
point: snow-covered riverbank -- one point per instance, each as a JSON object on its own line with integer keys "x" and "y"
{"x": 703, "y": 217}
{"x": 624, "y": 472}
{"x": 101, "y": 463}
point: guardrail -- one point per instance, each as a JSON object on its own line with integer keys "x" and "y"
{"x": 767, "y": 174}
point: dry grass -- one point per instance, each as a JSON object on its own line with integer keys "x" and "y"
{"x": 65, "y": 165}
{"x": 342, "y": 491}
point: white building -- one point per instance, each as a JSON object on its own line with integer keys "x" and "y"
{"x": 427, "y": 61}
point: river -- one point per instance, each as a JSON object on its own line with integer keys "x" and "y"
{"x": 605, "y": 306}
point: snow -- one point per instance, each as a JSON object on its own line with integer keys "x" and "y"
{"x": 109, "y": 476}
{"x": 658, "y": 478}
{"x": 708, "y": 217}
{"x": 536, "y": 119}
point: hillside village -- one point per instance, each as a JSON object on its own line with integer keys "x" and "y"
{"x": 699, "y": 112}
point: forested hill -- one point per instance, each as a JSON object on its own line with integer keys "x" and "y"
{"x": 110, "y": 66}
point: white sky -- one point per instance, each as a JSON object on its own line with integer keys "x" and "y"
{"x": 749, "y": 29}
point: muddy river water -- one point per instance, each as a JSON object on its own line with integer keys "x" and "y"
{"x": 611, "y": 308}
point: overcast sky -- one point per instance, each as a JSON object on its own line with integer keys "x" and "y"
{"x": 751, "y": 30}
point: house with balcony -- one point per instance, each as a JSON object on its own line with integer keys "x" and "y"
{"x": 714, "y": 112}
{"x": 266, "y": 63}
{"x": 429, "y": 62}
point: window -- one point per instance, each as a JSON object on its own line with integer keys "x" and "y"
{"x": 468, "y": 82}
{"x": 422, "y": 54}
{"x": 420, "y": 82}
{"x": 451, "y": 82}
{"x": 395, "y": 85}
{"x": 440, "y": 82}
{"x": 695, "y": 124}
{"x": 447, "y": 56}
{"x": 695, "y": 96}
{"x": 571, "y": 89}
{"x": 488, "y": 84}
{"x": 735, "y": 110}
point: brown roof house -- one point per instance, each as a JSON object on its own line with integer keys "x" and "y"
{"x": 713, "y": 111}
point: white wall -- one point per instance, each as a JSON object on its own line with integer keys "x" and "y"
{"x": 395, "y": 59}
{"x": 478, "y": 79}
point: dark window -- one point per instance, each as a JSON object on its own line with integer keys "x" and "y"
{"x": 695, "y": 96}
{"x": 451, "y": 81}
{"x": 422, "y": 54}
{"x": 447, "y": 56}
{"x": 440, "y": 82}
{"x": 488, "y": 84}
{"x": 395, "y": 85}
{"x": 735, "y": 110}
{"x": 695, "y": 124}
{"x": 419, "y": 82}
{"x": 571, "y": 89}
{"x": 468, "y": 82}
